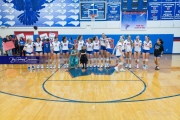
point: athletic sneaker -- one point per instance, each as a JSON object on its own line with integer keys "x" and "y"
{"x": 29, "y": 68}
{"x": 129, "y": 66}
{"x": 101, "y": 66}
{"x": 54, "y": 66}
{"x": 64, "y": 65}
{"x": 33, "y": 67}
{"x": 157, "y": 68}
{"x": 98, "y": 66}
{"x": 42, "y": 66}
{"x": 137, "y": 66}
{"x": 94, "y": 65}
{"x": 144, "y": 66}
{"x": 122, "y": 70}
{"x": 116, "y": 69}
{"x": 37, "y": 66}
{"x": 50, "y": 67}
{"x": 47, "y": 66}
{"x": 58, "y": 66}
{"x": 126, "y": 66}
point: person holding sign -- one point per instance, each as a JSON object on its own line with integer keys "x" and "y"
{"x": 147, "y": 44}
{"x": 56, "y": 48}
{"x": 137, "y": 50}
{"x": 28, "y": 47}
{"x": 128, "y": 49}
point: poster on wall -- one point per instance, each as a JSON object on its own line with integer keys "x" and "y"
{"x": 133, "y": 20}
{"x": 24, "y": 35}
{"x": 167, "y": 12}
{"x": 45, "y": 34}
{"x": 46, "y": 13}
{"x": 113, "y": 12}
{"x": 154, "y": 11}
{"x": 177, "y": 12}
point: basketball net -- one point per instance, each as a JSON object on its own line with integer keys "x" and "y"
{"x": 92, "y": 20}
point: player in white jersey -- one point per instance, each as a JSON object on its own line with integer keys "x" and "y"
{"x": 39, "y": 52}
{"x": 65, "y": 51}
{"x": 128, "y": 49}
{"x": 147, "y": 44}
{"x": 119, "y": 56}
{"x": 109, "y": 51}
{"x": 89, "y": 48}
{"x": 137, "y": 50}
{"x": 80, "y": 43}
{"x": 28, "y": 47}
{"x": 96, "y": 44}
{"x": 103, "y": 48}
{"x": 56, "y": 48}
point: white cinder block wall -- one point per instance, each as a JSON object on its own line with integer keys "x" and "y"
{"x": 110, "y": 27}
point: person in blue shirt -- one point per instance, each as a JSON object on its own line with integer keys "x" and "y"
{"x": 1, "y": 48}
{"x": 21, "y": 46}
{"x": 47, "y": 52}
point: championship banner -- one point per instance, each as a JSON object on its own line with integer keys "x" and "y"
{"x": 177, "y": 12}
{"x": 21, "y": 60}
{"x": 154, "y": 11}
{"x": 134, "y": 20}
{"x": 167, "y": 11}
{"x": 113, "y": 12}
{"x": 8, "y": 45}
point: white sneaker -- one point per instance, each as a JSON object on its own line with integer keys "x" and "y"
{"x": 129, "y": 66}
{"x": 58, "y": 66}
{"x": 54, "y": 66}
{"x": 94, "y": 65}
{"x": 64, "y": 65}
{"x": 90, "y": 66}
{"x": 116, "y": 69}
{"x": 42, "y": 66}
{"x": 37, "y": 66}
{"x": 144, "y": 66}
{"x": 126, "y": 66}
{"x": 47, "y": 66}
{"x": 101, "y": 66}
{"x": 122, "y": 70}
{"x": 50, "y": 66}
{"x": 98, "y": 66}
{"x": 137, "y": 66}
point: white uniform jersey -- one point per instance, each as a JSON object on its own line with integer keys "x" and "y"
{"x": 29, "y": 48}
{"x": 96, "y": 45}
{"x": 65, "y": 45}
{"x": 137, "y": 45}
{"x": 38, "y": 46}
{"x": 123, "y": 47}
{"x": 107, "y": 44}
{"x": 56, "y": 46}
{"x": 118, "y": 48}
{"x": 80, "y": 44}
{"x": 102, "y": 41}
{"x": 89, "y": 46}
{"x": 127, "y": 45}
{"x": 146, "y": 45}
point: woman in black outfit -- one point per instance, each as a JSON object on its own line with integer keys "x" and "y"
{"x": 158, "y": 51}
{"x": 83, "y": 58}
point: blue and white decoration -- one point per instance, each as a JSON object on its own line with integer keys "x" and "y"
{"x": 43, "y": 13}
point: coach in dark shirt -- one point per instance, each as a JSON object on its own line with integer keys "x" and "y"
{"x": 158, "y": 51}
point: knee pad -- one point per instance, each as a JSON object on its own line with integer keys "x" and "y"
{"x": 107, "y": 60}
{"x": 102, "y": 58}
{"x": 129, "y": 58}
{"x": 58, "y": 60}
{"x": 46, "y": 61}
{"x": 146, "y": 60}
{"x": 138, "y": 60}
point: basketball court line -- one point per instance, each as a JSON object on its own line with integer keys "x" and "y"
{"x": 91, "y": 80}
{"x": 51, "y": 100}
